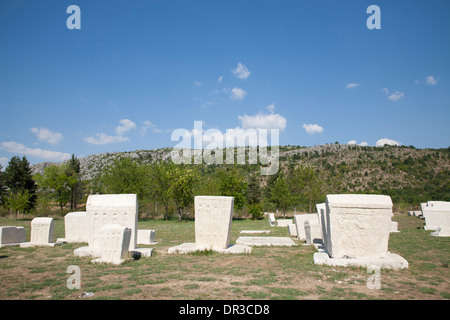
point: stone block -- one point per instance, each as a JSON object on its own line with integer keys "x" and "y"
{"x": 114, "y": 244}
{"x": 12, "y": 236}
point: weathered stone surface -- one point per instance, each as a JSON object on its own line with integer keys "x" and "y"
{"x": 41, "y": 233}
{"x": 357, "y": 232}
{"x": 114, "y": 244}
{"x": 213, "y": 217}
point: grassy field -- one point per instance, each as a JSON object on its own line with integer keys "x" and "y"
{"x": 267, "y": 273}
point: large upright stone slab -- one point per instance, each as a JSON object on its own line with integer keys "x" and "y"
{"x": 437, "y": 215}
{"x": 114, "y": 244}
{"x": 107, "y": 209}
{"x": 357, "y": 232}
{"x": 213, "y": 217}
{"x": 76, "y": 227}
{"x": 12, "y": 236}
{"x": 41, "y": 233}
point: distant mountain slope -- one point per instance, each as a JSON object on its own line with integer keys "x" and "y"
{"x": 404, "y": 172}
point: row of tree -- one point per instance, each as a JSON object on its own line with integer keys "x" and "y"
{"x": 162, "y": 183}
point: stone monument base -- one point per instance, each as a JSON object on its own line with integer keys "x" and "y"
{"x": 388, "y": 261}
{"x": 266, "y": 241}
{"x": 32, "y": 244}
{"x": 96, "y": 253}
{"x": 193, "y": 247}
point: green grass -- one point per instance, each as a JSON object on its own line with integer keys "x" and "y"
{"x": 267, "y": 273}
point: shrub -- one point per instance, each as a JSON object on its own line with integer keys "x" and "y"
{"x": 255, "y": 211}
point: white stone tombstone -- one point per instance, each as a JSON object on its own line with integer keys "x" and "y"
{"x": 41, "y": 233}
{"x": 213, "y": 217}
{"x": 76, "y": 227}
{"x": 12, "y": 236}
{"x": 292, "y": 230}
{"x": 299, "y": 220}
{"x": 114, "y": 244}
{"x": 312, "y": 232}
{"x": 321, "y": 217}
{"x": 272, "y": 220}
{"x": 358, "y": 228}
{"x": 105, "y": 209}
{"x": 145, "y": 236}
{"x": 436, "y": 214}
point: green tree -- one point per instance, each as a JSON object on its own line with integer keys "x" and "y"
{"x": 75, "y": 186}
{"x": 305, "y": 186}
{"x": 55, "y": 183}
{"x": 17, "y": 200}
{"x": 183, "y": 181}
{"x": 279, "y": 192}
{"x": 253, "y": 190}
{"x": 232, "y": 184}
{"x": 159, "y": 184}
{"x": 18, "y": 179}
{"x": 2, "y": 185}
{"x": 125, "y": 176}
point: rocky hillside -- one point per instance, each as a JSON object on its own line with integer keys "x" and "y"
{"x": 406, "y": 173}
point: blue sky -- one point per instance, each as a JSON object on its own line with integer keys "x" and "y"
{"x": 138, "y": 70}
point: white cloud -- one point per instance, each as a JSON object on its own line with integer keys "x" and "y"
{"x": 197, "y": 84}
{"x": 147, "y": 125}
{"x": 352, "y": 85}
{"x": 238, "y": 94}
{"x": 387, "y": 141}
{"x": 15, "y": 147}
{"x": 354, "y": 142}
{"x": 431, "y": 80}
{"x": 220, "y": 79}
{"x": 241, "y": 71}
{"x": 126, "y": 125}
{"x": 396, "y": 96}
{"x": 263, "y": 121}
{"x": 312, "y": 128}
{"x": 102, "y": 138}
{"x": 44, "y": 134}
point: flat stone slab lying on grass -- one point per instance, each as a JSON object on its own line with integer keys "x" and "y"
{"x": 266, "y": 241}
{"x": 193, "y": 247}
{"x": 388, "y": 261}
{"x": 254, "y": 231}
